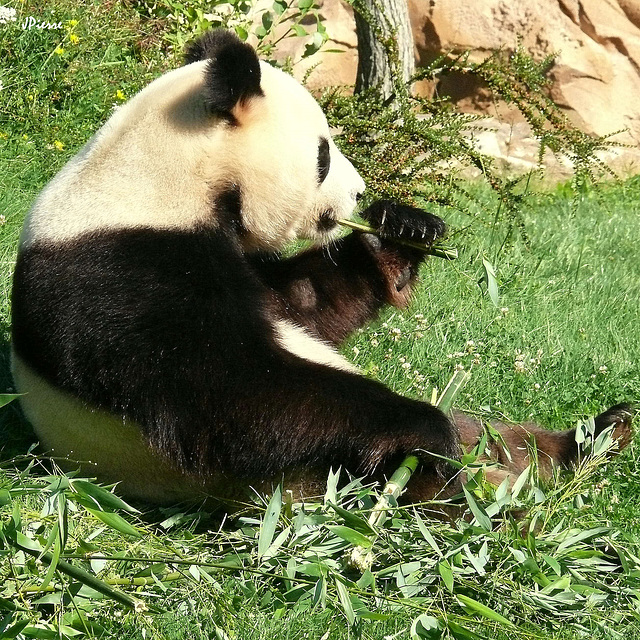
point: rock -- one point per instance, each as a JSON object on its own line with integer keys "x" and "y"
{"x": 595, "y": 76}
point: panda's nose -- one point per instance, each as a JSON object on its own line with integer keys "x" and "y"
{"x": 358, "y": 196}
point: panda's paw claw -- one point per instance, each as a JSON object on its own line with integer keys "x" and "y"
{"x": 403, "y": 222}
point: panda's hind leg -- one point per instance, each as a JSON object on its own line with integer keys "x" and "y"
{"x": 550, "y": 448}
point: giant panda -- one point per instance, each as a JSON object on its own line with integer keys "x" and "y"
{"x": 162, "y": 343}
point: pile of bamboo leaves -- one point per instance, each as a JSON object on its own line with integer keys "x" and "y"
{"x": 69, "y": 542}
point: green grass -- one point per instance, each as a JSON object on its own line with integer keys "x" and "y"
{"x": 563, "y": 343}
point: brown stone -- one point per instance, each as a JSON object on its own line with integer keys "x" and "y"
{"x": 595, "y": 77}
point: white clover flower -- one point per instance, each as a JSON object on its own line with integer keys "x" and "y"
{"x": 1, "y": 85}
{"x": 406, "y": 365}
{"x": 519, "y": 366}
{"x": 603, "y": 369}
{"x": 7, "y": 14}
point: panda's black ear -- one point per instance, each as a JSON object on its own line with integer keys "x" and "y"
{"x": 233, "y": 72}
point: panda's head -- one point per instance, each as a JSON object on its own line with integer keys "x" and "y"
{"x": 287, "y": 177}
{"x": 225, "y": 140}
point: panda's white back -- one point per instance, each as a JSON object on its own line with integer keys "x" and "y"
{"x": 137, "y": 170}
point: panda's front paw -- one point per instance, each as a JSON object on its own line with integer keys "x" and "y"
{"x": 402, "y": 222}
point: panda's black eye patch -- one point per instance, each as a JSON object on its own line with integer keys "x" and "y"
{"x": 324, "y": 159}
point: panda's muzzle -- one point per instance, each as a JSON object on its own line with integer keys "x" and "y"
{"x": 327, "y": 220}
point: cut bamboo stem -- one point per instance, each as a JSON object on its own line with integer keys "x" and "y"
{"x": 438, "y": 250}
{"x": 398, "y": 481}
{"x": 121, "y": 582}
{"x": 82, "y": 576}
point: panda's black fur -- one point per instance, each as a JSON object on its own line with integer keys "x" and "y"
{"x": 173, "y": 331}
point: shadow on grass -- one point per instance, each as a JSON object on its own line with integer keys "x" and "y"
{"x": 16, "y": 434}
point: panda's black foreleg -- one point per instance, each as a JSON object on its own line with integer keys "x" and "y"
{"x": 336, "y": 289}
{"x": 300, "y": 415}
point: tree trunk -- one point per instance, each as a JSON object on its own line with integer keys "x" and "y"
{"x": 391, "y": 17}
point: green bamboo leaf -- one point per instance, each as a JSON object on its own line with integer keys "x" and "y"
{"x": 581, "y": 536}
{"x": 520, "y": 482}
{"x": 331, "y": 495}
{"x": 41, "y": 632}
{"x": 6, "y": 398}
{"x": 491, "y": 281}
{"x": 15, "y": 630}
{"x": 320, "y": 592}
{"x": 353, "y": 520}
{"x": 276, "y": 544}
{"x": 27, "y": 543}
{"x": 553, "y": 563}
{"x": 345, "y": 601}
{"x": 114, "y": 521}
{"x": 478, "y": 512}
{"x": 55, "y": 556}
{"x": 271, "y": 517}
{"x": 426, "y": 534}
{"x": 462, "y": 633}
{"x": 104, "y": 498}
{"x": 425, "y": 627}
{"x": 350, "y": 535}
{"x": 444, "y": 569}
{"x": 477, "y": 607}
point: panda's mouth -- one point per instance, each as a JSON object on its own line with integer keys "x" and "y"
{"x": 326, "y": 221}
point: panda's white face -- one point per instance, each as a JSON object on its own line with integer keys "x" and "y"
{"x": 293, "y": 179}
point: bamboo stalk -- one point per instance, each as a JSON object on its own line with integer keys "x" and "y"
{"x": 392, "y": 489}
{"x": 82, "y": 576}
{"x": 362, "y": 557}
{"x": 440, "y": 251}
{"x": 398, "y": 481}
{"x": 122, "y": 582}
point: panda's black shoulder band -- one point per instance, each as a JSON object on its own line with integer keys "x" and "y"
{"x": 233, "y": 71}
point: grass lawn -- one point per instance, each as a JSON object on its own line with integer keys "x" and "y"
{"x": 562, "y": 343}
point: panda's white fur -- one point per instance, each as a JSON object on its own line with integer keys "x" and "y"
{"x": 158, "y": 159}
{"x": 105, "y": 446}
